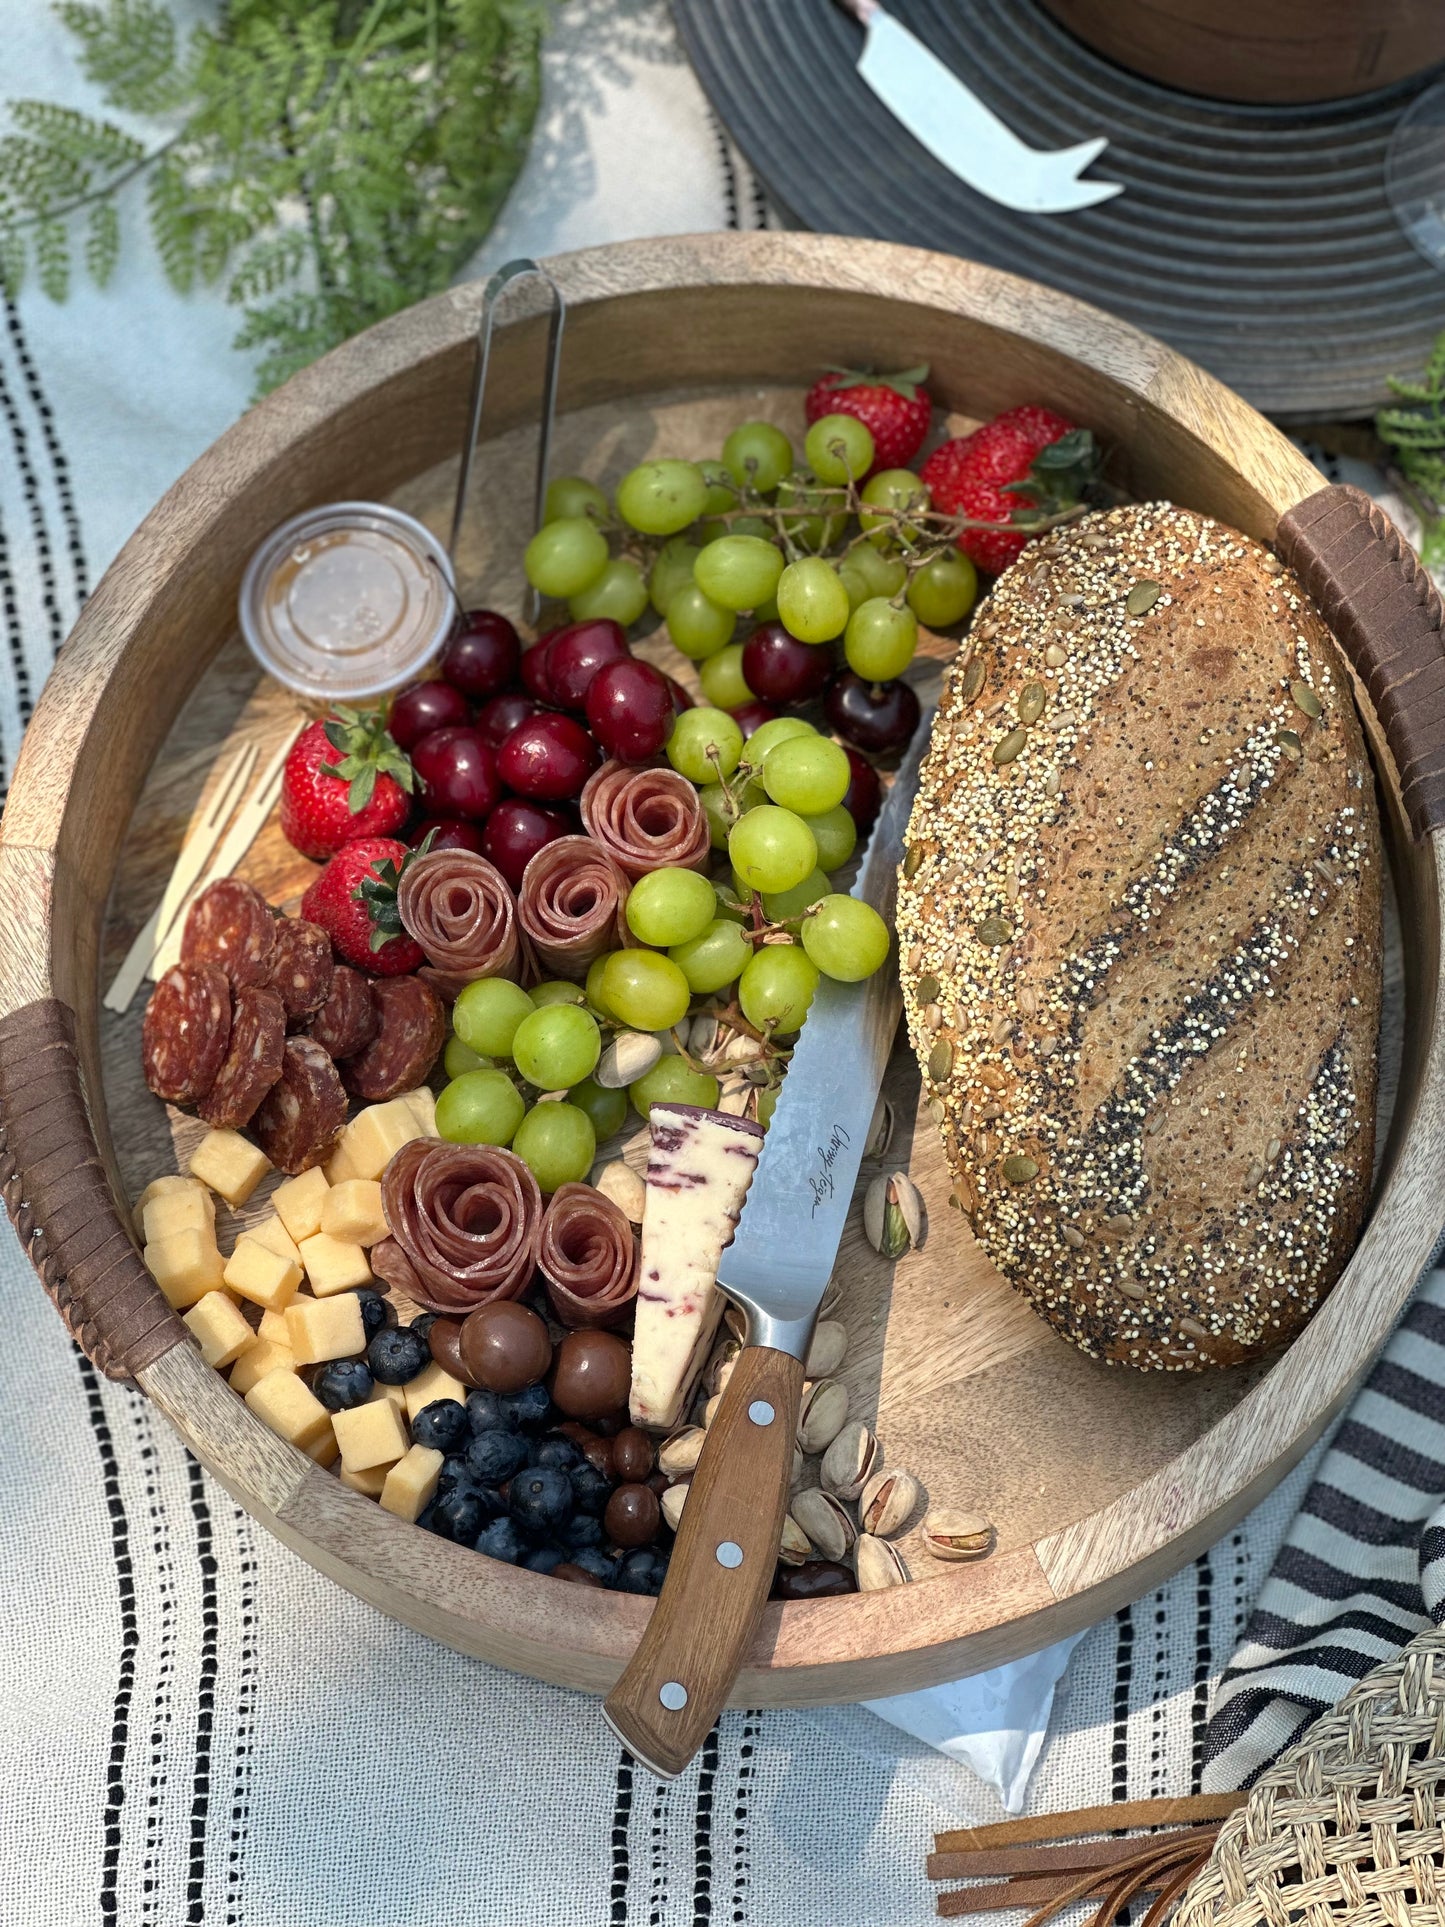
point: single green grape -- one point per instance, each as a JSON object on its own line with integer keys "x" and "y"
{"x": 557, "y": 1046}
{"x": 619, "y": 592}
{"x": 757, "y": 455}
{"x": 898, "y": 490}
{"x": 459, "y": 1057}
{"x": 480, "y": 1107}
{"x": 809, "y": 774}
{"x": 812, "y": 602}
{"x": 738, "y": 571}
{"x": 722, "y": 679}
{"x": 777, "y": 729}
{"x": 846, "y": 939}
{"x": 777, "y": 987}
{"x": 722, "y": 491}
{"x": 705, "y": 744}
{"x": 767, "y": 1103}
{"x": 943, "y": 591}
{"x": 866, "y": 572}
{"x": 712, "y": 961}
{"x": 570, "y": 496}
{"x": 558, "y": 1142}
{"x": 563, "y": 558}
{"x": 671, "y": 571}
{"x": 882, "y": 640}
{"x": 771, "y": 848}
{"x": 721, "y": 814}
{"x": 557, "y": 990}
{"x": 670, "y": 905}
{"x": 607, "y": 1109}
{"x": 836, "y": 835}
{"x": 659, "y": 498}
{"x": 815, "y": 520}
{"x": 783, "y": 906}
{"x": 593, "y": 987}
{"x": 698, "y": 625}
{"x": 645, "y": 991}
{"x": 766, "y": 611}
{"x": 487, "y": 1013}
{"x": 839, "y": 449}
{"x": 672, "y": 1080}
{"x": 712, "y": 528}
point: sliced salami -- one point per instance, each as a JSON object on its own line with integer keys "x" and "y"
{"x": 302, "y": 967}
{"x": 467, "y": 1217}
{"x": 588, "y": 1258}
{"x": 185, "y": 1030}
{"x": 571, "y": 905}
{"x": 411, "y": 1029}
{"x": 253, "y": 1058}
{"x": 646, "y": 819}
{"x": 230, "y": 924}
{"x": 349, "y": 1019}
{"x": 302, "y": 1114}
{"x": 460, "y": 910}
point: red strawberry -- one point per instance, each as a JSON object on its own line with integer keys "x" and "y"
{"x": 354, "y": 901}
{"x": 895, "y": 409}
{"x": 344, "y": 778}
{"x": 977, "y": 475}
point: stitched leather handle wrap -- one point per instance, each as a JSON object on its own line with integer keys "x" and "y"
{"x": 59, "y": 1198}
{"x": 1386, "y": 613}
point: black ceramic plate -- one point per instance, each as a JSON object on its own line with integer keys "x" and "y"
{"x": 1257, "y": 240}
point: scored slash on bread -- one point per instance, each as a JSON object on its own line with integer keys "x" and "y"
{"x": 1139, "y": 924}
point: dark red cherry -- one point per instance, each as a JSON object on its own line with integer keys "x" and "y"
{"x": 457, "y": 772}
{"x": 448, "y": 833}
{"x": 680, "y": 698}
{"x": 864, "y": 794}
{"x": 780, "y": 669}
{"x": 629, "y": 709}
{"x": 516, "y": 830}
{"x": 752, "y": 715}
{"x": 548, "y": 757}
{"x": 877, "y": 716}
{"x": 481, "y": 658}
{"x": 424, "y": 707}
{"x": 532, "y": 669}
{"x": 576, "y": 653}
{"x": 497, "y": 719}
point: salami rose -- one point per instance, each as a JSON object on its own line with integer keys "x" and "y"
{"x": 588, "y": 1258}
{"x": 253, "y": 1058}
{"x": 230, "y": 924}
{"x": 459, "y": 909}
{"x": 408, "y": 1040}
{"x": 467, "y": 1217}
{"x": 302, "y": 1114}
{"x": 185, "y": 1030}
{"x": 301, "y": 969}
{"x": 349, "y": 1019}
{"x": 570, "y": 905}
{"x": 645, "y": 819}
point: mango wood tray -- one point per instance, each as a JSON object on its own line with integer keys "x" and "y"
{"x": 1100, "y": 1482}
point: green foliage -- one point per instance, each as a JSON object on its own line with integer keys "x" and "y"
{"x": 1415, "y": 435}
{"x": 330, "y": 161}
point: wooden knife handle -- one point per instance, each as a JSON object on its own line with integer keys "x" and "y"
{"x": 678, "y": 1680}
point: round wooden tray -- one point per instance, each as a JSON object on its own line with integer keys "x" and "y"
{"x": 1101, "y": 1482}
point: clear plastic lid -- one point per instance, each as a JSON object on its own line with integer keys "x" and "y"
{"x": 347, "y": 600}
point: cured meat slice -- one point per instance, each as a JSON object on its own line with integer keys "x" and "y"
{"x": 411, "y": 1029}
{"x": 253, "y": 1059}
{"x": 460, "y": 910}
{"x": 391, "y": 1265}
{"x": 646, "y": 819}
{"x": 468, "y": 1218}
{"x": 302, "y": 967}
{"x": 185, "y": 1030}
{"x": 302, "y": 1114}
{"x": 230, "y": 924}
{"x": 587, "y": 1257}
{"x": 570, "y": 905}
{"x": 349, "y": 1019}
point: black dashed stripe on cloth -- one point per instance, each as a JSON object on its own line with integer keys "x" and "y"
{"x": 621, "y": 1854}
{"x": 742, "y": 1866}
{"x": 14, "y": 648}
{"x": 59, "y": 466}
{"x": 163, "y": 1638}
{"x": 1203, "y": 1665}
{"x": 240, "y": 1816}
{"x": 1123, "y": 1683}
{"x": 29, "y": 478}
{"x": 657, "y": 1847}
{"x": 729, "y": 171}
{"x": 702, "y": 1833}
{"x": 205, "y": 1698}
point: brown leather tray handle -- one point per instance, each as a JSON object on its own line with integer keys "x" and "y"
{"x": 1387, "y": 615}
{"x": 59, "y": 1198}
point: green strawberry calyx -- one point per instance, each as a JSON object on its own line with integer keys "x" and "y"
{"x": 1060, "y": 478}
{"x": 376, "y": 892}
{"x": 365, "y": 749}
{"x": 907, "y": 383}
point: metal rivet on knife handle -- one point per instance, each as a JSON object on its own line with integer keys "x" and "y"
{"x": 760, "y": 1412}
{"x": 673, "y": 1695}
{"x": 730, "y": 1554}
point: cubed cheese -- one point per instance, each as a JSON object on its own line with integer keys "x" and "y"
{"x": 394, "y": 1394}
{"x": 430, "y": 1384}
{"x": 263, "y": 1276}
{"x": 185, "y": 1267}
{"x": 323, "y": 1328}
{"x": 324, "y": 1449}
{"x": 274, "y": 1235}
{"x": 369, "y": 1435}
{"x": 219, "y": 1327}
{"x": 369, "y": 1483}
{"x": 230, "y": 1164}
{"x": 422, "y": 1103}
{"x": 188, "y": 1206}
{"x": 273, "y": 1328}
{"x": 256, "y": 1361}
{"x": 298, "y": 1202}
{"x": 333, "y": 1265}
{"x": 281, "y": 1401}
{"x": 158, "y": 1188}
{"x": 412, "y": 1482}
{"x": 371, "y": 1139}
{"x": 352, "y": 1212}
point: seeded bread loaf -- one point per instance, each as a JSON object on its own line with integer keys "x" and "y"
{"x": 1139, "y": 923}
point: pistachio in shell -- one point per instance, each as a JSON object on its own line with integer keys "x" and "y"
{"x": 823, "y": 1414}
{"x": 794, "y": 1545}
{"x": 619, "y": 1182}
{"x": 680, "y": 1453}
{"x": 893, "y": 1215}
{"x": 850, "y": 1462}
{"x": 888, "y": 1502}
{"x": 878, "y": 1564}
{"x": 630, "y": 1055}
{"x": 673, "y": 1500}
{"x": 826, "y": 1521}
{"x": 952, "y": 1535}
{"x": 828, "y": 1349}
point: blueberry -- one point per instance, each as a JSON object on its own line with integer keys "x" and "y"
{"x": 426, "y": 1518}
{"x": 396, "y": 1356}
{"x": 343, "y": 1383}
{"x": 376, "y": 1313}
{"x": 556, "y": 1451}
{"x": 484, "y": 1413}
{"x": 540, "y": 1498}
{"x": 422, "y": 1325}
{"x": 499, "y": 1540}
{"x": 582, "y": 1529}
{"x": 455, "y": 1471}
{"x": 592, "y": 1559}
{"x": 441, "y": 1425}
{"x": 528, "y": 1410}
{"x": 543, "y": 1559}
{"x": 591, "y": 1489}
{"x": 494, "y": 1456}
{"x": 458, "y": 1515}
{"x": 634, "y": 1574}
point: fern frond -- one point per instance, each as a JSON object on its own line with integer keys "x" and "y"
{"x": 128, "y": 47}
{"x": 102, "y": 241}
